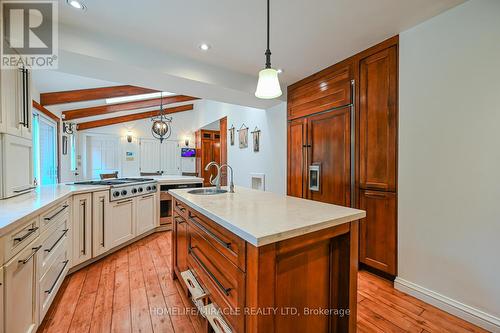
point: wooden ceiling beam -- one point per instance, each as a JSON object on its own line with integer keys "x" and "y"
{"x": 71, "y": 96}
{"x": 111, "y": 108}
{"x": 46, "y": 112}
{"x": 131, "y": 117}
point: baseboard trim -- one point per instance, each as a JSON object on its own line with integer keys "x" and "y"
{"x": 463, "y": 311}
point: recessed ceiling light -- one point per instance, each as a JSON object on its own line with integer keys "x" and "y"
{"x": 204, "y": 47}
{"x": 280, "y": 71}
{"x": 76, "y": 4}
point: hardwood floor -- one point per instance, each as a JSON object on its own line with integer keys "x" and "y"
{"x": 131, "y": 291}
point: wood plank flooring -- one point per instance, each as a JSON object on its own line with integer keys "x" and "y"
{"x": 131, "y": 290}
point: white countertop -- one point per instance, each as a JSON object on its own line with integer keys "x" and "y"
{"x": 25, "y": 205}
{"x": 263, "y": 218}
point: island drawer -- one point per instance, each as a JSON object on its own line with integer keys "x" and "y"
{"x": 224, "y": 281}
{"x": 180, "y": 208}
{"x": 54, "y": 214}
{"x": 231, "y": 246}
{"x": 17, "y": 240}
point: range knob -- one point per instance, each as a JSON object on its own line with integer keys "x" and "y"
{"x": 153, "y": 187}
{"x": 148, "y": 188}
{"x": 134, "y": 191}
{"x": 124, "y": 192}
{"x": 116, "y": 194}
{"x": 140, "y": 189}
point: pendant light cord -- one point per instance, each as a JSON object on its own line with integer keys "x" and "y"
{"x": 268, "y": 51}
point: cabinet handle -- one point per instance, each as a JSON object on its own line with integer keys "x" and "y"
{"x": 35, "y": 250}
{"x": 103, "y": 210}
{"x": 57, "y": 213}
{"x": 23, "y": 113}
{"x": 57, "y": 241}
{"x": 49, "y": 291}
{"x": 179, "y": 220}
{"x": 84, "y": 221}
{"x": 211, "y": 234}
{"x": 217, "y": 282}
{"x": 26, "y": 235}
{"x": 123, "y": 202}
{"x": 24, "y": 190}
{"x": 147, "y": 196}
{"x": 27, "y": 94}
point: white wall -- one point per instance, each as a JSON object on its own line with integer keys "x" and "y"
{"x": 449, "y": 158}
{"x": 270, "y": 160}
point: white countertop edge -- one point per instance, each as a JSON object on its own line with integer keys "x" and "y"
{"x": 265, "y": 240}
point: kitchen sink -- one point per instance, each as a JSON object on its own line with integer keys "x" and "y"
{"x": 207, "y": 191}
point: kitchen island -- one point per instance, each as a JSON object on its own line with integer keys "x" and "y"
{"x": 255, "y": 261}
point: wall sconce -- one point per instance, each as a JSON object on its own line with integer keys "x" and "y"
{"x": 129, "y": 137}
{"x": 186, "y": 141}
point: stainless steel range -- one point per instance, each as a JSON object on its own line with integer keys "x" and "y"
{"x": 121, "y": 188}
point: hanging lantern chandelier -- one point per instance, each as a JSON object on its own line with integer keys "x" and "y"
{"x": 162, "y": 125}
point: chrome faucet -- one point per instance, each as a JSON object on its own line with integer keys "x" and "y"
{"x": 216, "y": 180}
{"x": 231, "y": 184}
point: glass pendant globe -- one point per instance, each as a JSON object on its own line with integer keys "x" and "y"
{"x": 268, "y": 86}
{"x": 160, "y": 128}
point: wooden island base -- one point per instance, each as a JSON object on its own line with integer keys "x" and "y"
{"x": 302, "y": 284}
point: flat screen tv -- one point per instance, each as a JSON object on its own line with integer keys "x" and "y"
{"x": 188, "y": 152}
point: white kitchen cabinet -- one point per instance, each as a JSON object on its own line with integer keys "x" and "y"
{"x": 82, "y": 228}
{"x": 16, "y": 100}
{"x": 122, "y": 221}
{"x": 100, "y": 222}
{"x": 2, "y": 286}
{"x": 20, "y": 291}
{"x": 160, "y": 157}
{"x": 16, "y": 165}
{"x": 146, "y": 213}
{"x": 149, "y": 156}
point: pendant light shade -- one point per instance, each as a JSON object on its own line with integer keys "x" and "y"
{"x": 268, "y": 86}
{"x": 161, "y": 128}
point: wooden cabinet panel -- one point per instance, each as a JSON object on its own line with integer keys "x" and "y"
{"x": 378, "y": 120}
{"x": 100, "y": 219}
{"x": 2, "y": 287}
{"x": 324, "y": 91}
{"x": 179, "y": 244}
{"x": 296, "y": 157}
{"x": 20, "y": 291}
{"x": 329, "y": 147}
{"x": 208, "y": 149}
{"x": 122, "y": 222}
{"x": 378, "y": 231}
{"x": 82, "y": 228}
{"x": 146, "y": 213}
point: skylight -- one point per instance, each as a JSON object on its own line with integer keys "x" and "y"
{"x": 137, "y": 97}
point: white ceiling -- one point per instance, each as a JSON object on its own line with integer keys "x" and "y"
{"x": 306, "y": 36}
{"x": 49, "y": 81}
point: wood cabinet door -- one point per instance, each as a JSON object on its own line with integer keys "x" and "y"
{"x": 122, "y": 222}
{"x": 20, "y": 292}
{"x": 378, "y": 120}
{"x": 100, "y": 219}
{"x": 296, "y": 157}
{"x": 146, "y": 213}
{"x": 329, "y": 148}
{"x": 82, "y": 228}
{"x": 179, "y": 242}
{"x": 320, "y": 92}
{"x": 378, "y": 231}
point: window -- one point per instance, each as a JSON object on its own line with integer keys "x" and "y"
{"x": 44, "y": 149}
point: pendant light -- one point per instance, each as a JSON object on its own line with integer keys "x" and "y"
{"x": 268, "y": 86}
{"x": 162, "y": 126}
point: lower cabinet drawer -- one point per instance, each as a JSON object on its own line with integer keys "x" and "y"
{"x": 54, "y": 241}
{"x": 223, "y": 281}
{"x": 54, "y": 215}
{"x": 52, "y": 280}
{"x": 17, "y": 240}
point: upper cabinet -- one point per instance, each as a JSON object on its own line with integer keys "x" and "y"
{"x": 378, "y": 120}
{"x": 15, "y": 109}
{"x": 326, "y": 90}
{"x": 16, "y": 165}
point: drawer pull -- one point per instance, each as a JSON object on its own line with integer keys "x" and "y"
{"x": 24, "y": 190}
{"x": 217, "y": 282}
{"x": 182, "y": 209}
{"x": 57, "y": 241}
{"x": 179, "y": 220}
{"x": 35, "y": 250}
{"x": 49, "y": 291}
{"x": 29, "y": 233}
{"x": 57, "y": 213}
{"x": 217, "y": 239}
